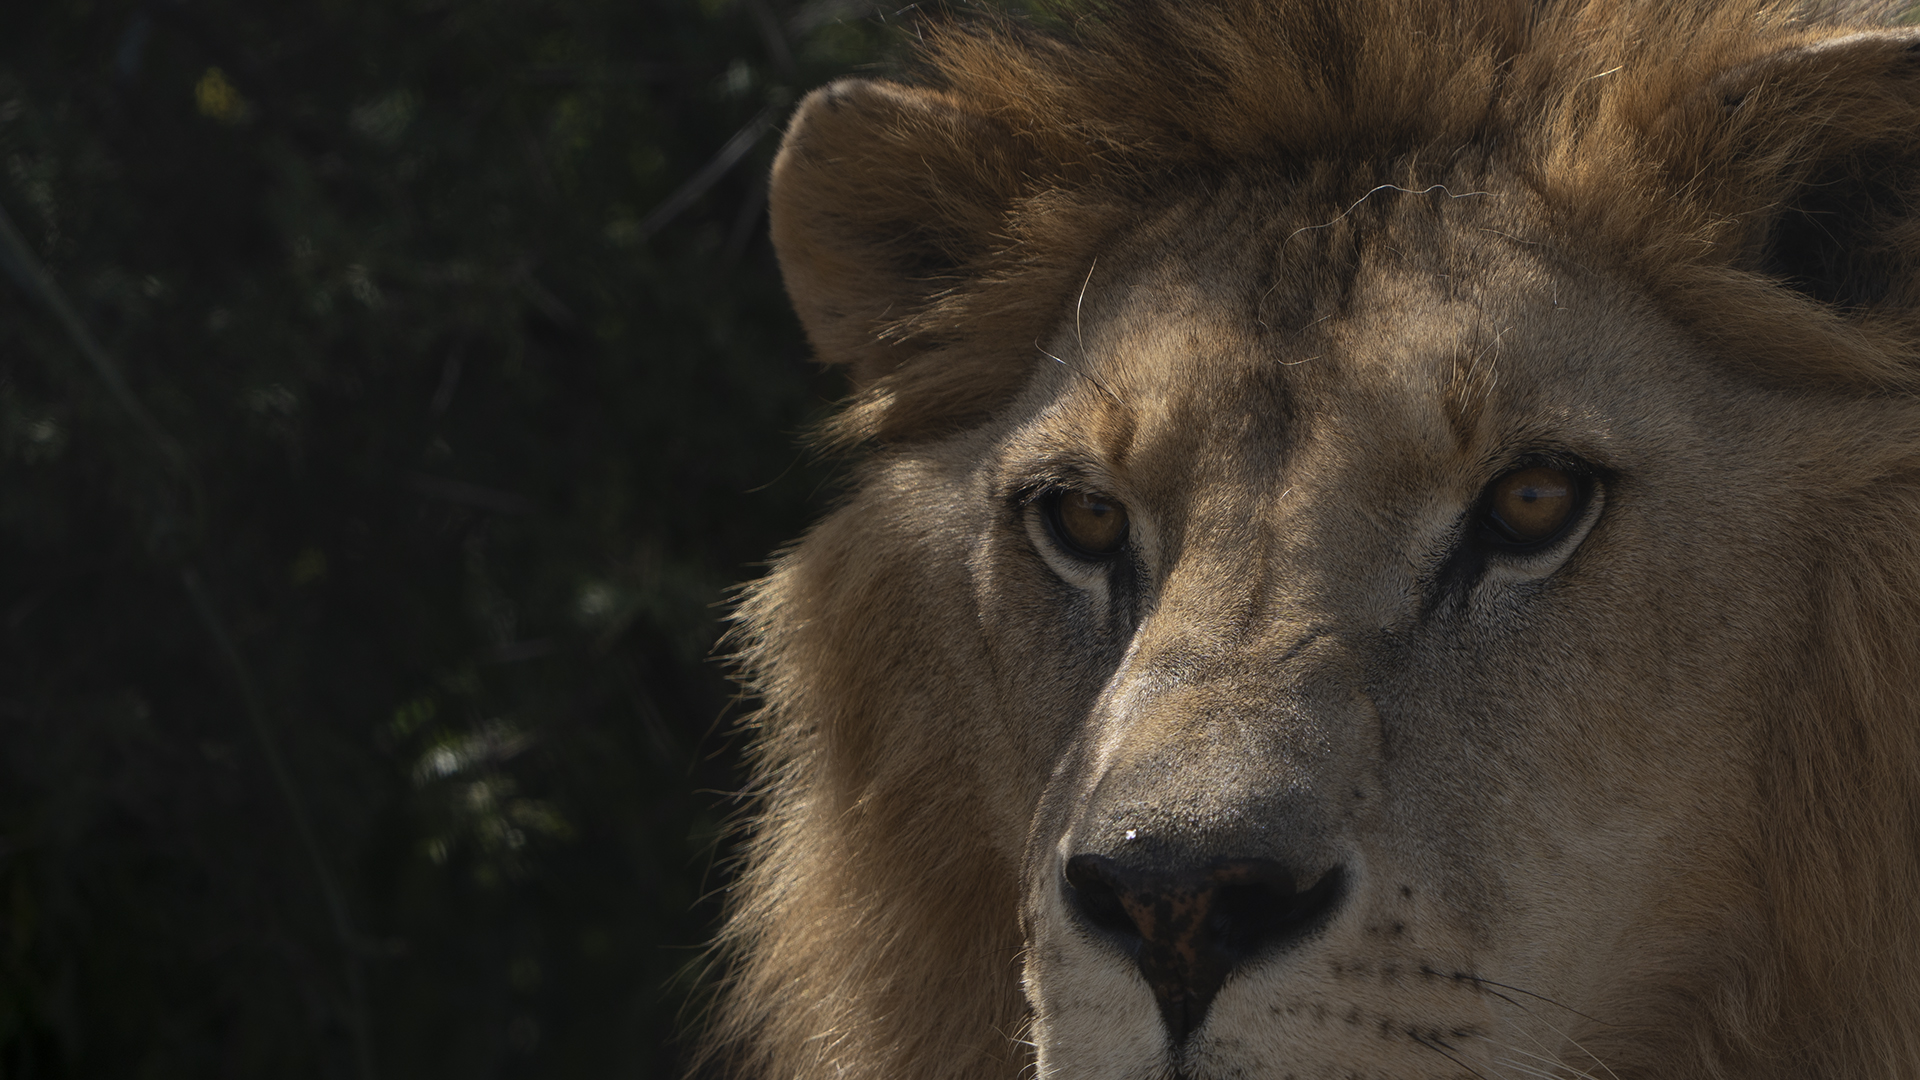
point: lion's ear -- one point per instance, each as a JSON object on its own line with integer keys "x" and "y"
{"x": 1825, "y": 142}
{"x": 882, "y": 194}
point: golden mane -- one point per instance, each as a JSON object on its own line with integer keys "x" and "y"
{"x": 1658, "y": 133}
{"x": 1596, "y": 103}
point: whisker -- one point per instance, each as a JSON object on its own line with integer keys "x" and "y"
{"x": 1483, "y": 983}
{"x": 1570, "y": 1040}
{"x": 1531, "y": 994}
{"x": 1440, "y": 1048}
{"x": 1087, "y": 375}
{"x": 1081, "y": 302}
{"x": 1530, "y": 1037}
{"x": 1531, "y": 1070}
{"x": 1493, "y": 365}
{"x": 1473, "y": 365}
{"x": 1554, "y": 1062}
{"x": 1575, "y": 1043}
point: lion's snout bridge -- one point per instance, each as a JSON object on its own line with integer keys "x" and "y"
{"x": 1209, "y": 840}
{"x": 1188, "y": 927}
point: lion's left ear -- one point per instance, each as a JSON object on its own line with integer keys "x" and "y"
{"x": 882, "y": 194}
{"x": 1822, "y": 143}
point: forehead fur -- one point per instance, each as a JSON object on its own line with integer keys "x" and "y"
{"x": 1657, "y": 134}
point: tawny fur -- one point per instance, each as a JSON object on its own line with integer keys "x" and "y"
{"x": 934, "y": 245}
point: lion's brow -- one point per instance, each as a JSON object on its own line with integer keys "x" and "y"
{"x": 1471, "y": 379}
{"x": 1084, "y": 374}
{"x": 1080, "y": 339}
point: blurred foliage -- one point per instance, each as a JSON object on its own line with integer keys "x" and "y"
{"x": 369, "y": 735}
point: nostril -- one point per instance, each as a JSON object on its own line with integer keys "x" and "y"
{"x": 1244, "y": 913}
{"x": 1256, "y": 903}
{"x": 1093, "y": 890}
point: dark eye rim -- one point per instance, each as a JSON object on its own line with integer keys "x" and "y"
{"x": 1049, "y": 504}
{"x": 1586, "y": 481}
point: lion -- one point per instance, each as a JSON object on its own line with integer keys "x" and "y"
{"x": 1384, "y": 542}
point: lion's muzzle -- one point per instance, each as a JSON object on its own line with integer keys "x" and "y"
{"x": 1188, "y": 928}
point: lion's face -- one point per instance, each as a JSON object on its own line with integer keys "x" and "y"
{"x": 1387, "y": 546}
{"x": 1375, "y": 779}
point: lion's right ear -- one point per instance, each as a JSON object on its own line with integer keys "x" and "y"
{"x": 1823, "y": 141}
{"x": 882, "y": 195}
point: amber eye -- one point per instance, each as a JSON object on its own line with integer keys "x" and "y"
{"x": 1530, "y": 505}
{"x": 1091, "y": 526}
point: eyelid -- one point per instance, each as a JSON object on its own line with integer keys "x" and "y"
{"x": 1031, "y": 473}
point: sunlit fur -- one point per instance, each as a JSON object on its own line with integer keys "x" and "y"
{"x": 944, "y": 236}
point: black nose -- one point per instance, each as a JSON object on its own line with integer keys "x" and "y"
{"x": 1188, "y": 928}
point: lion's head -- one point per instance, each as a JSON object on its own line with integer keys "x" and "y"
{"x": 1387, "y": 544}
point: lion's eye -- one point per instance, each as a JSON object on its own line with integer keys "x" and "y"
{"x": 1528, "y": 506}
{"x": 1091, "y": 526}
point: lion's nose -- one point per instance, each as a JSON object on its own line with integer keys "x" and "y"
{"x": 1187, "y": 929}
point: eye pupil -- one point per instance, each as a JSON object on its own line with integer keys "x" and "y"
{"x": 1091, "y": 525}
{"x": 1529, "y": 505}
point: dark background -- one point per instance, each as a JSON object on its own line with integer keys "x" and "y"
{"x": 390, "y": 393}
